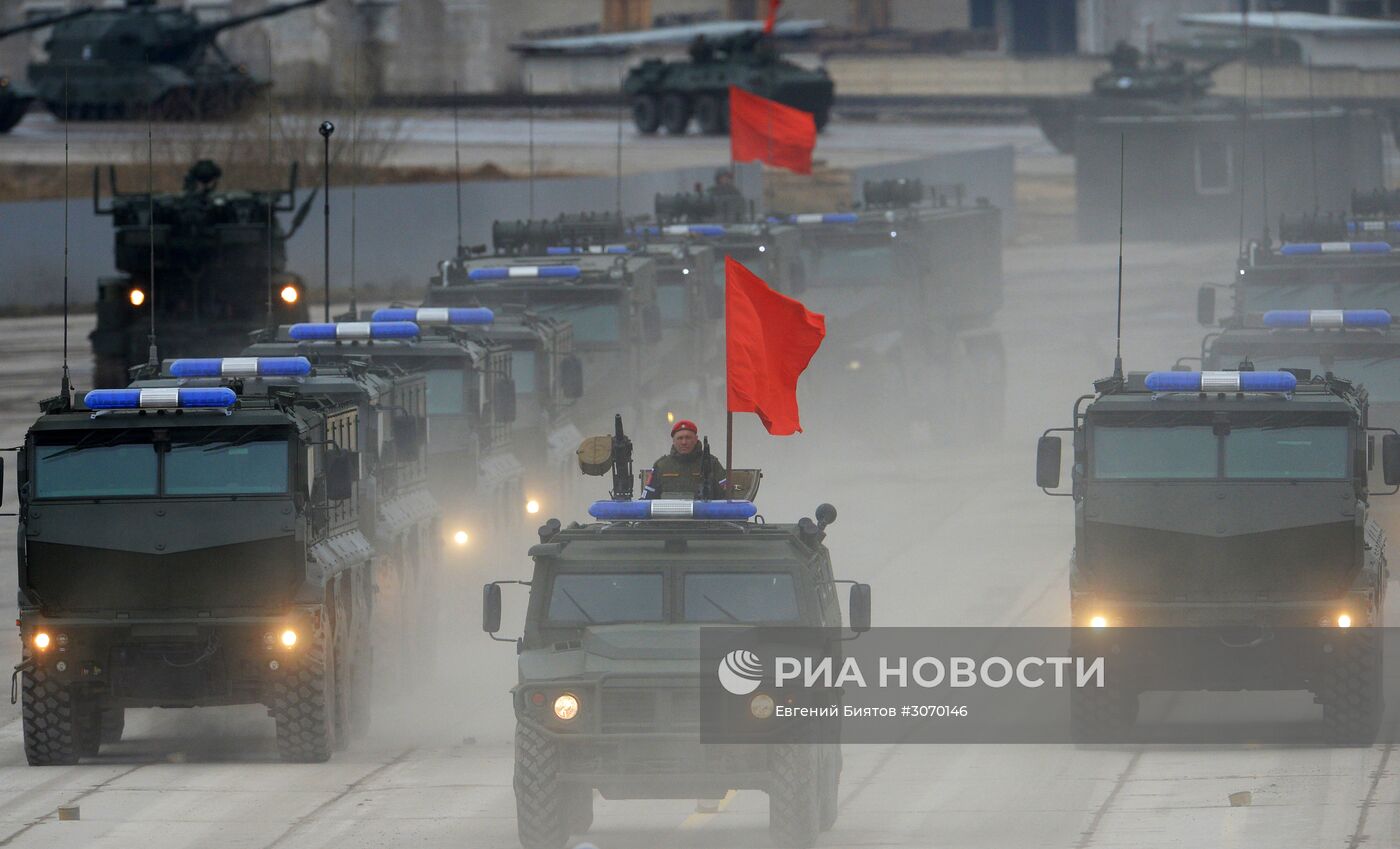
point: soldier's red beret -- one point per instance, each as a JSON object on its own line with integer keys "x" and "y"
{"x": 684, "y": 424}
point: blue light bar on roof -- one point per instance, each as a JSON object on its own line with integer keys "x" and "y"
{"x": 435, "y": 316}
{"x": 1372, "y": 225}
{"x": 644, "y": 230}
{"x": 163, "y": 398}
{"x": 1221, "y": 381}
{"x": 1302, "y": 248}
{"x": 1327, "y": 319}
{"x": 825, "y": 218}
{"x": 241, "y": 367}
{"x": 565, "y": 250}
{"x": 311, "y": 331}
{"x": 694, "y": 230}
{"x": 668, "y": 508}
{"x": 511, "y": 272}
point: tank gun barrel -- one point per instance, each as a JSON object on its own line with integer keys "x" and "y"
{"x": 211, "y": 30}
{"x": 40, "y": 23}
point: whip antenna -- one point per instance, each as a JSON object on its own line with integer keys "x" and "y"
{"x": 64, "y": 385}
{"x": 1263, "y": 164}
{"x": 354, "y": 158}
{"x": 619, "y": 163}
{"x": 326, "y": 129}
{"x": 271, "y": 222}
{"x": 1244, "y": 112}
{"x": 1312, "y": 137}
{"x": 1118, "y": 347}
{"x": 152, "y": 357}
{"x": 530, "y": 99}
{"x": 457, "y": 164}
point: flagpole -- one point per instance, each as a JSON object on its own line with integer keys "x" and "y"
{"x": 728, "y": 449}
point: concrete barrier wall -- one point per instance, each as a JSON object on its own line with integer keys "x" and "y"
{"x": 403, "y": 231}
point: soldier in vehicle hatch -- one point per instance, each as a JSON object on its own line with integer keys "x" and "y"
{"x": 684, "y": 472}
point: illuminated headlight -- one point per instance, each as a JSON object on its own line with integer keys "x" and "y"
{"x": 137, "y": 297}
{"x": 685, "y": 271}
{"x": 289, "y": 294}
{"x": 763, "y": 249}
{"x": 461, "y": 538}
{"x": 566, "y": 706}
{"x": 1344, "y": 621}
{"x": 894, "y": 234}
{"x": 1098, "y": 622}
{"x": 41, "y": 640}
{"x": 761, "y": 706}
{"x": 289, "y": 638}
{"x": 532, "y": 506}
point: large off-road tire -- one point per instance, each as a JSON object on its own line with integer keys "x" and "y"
{"x": 1101, "y": 714}
{"x": 113, "y": 724}
{"x": 579, "y": 816}
{"x": 712, "y": 114}
{"x": 1352, "y": 703}
{"x": 675, "y": 113}
{"x": 830, "y": 786}
{"x": 646, "y": 113}
{"x": 794, "y": 799}
{"x": 50, "y": 721}
{"x": 541, "y": 807}
{"x": 303, "y": 704}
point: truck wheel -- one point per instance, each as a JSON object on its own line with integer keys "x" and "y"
{"x": 710, "y": 113}
{"x": 580, "y": 809}
{"x": 113, "y": 724}
{"x": 675, "y": 113}
{"x": 794, "y": 799}
{"x": 50, "y": 721}
{"x": 303, "y": 704}
{"x": 541, "y": 806}
{"x": 1101, "y": 714}
{"x": 646, "y": 114}
{"x": 1351, "y": 693}
{"x": 830, "y": 787}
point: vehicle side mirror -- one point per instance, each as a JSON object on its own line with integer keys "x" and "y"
{"x": 1390, "y": 459}
{"x": 505, "y": 400}
{"x": 859, "y": 606}
{"x": 651, "y": 323}
{"x": 340, "y": 475}
{"x": 491, "y": 608}
{"x": 1205, "y": 305}
{"x": 1047, "y": 462}
{"x": 571, "y": 377}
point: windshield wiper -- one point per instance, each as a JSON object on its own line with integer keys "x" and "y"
{"x": 574, "y": 602}
{"x": 83, "y": 445}
{"x": 245, "y": 438}
{"x": 717, "y": 606}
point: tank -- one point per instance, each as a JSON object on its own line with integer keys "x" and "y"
{"x": 141, "y": 59}
{"x": 15, "y": 97}
{"x": 214, "y": 261}
{"x": 1130, "y": 87}
{"x": 669, "y": 94}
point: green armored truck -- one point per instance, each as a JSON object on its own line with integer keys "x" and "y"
{"x": 1231, "y": 510}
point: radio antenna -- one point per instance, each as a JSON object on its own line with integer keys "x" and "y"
{"x": 64, "y": 386}
{"x": 326, "y": 129}
{"x": 354, "y": 160}
{"x": 457, "y": 165}
{"x": 1244, "y": 112}
{"x": 619, "y": 163}
{"x": 1312, "y": 137}
{"x": 530, "y": 102}
{"x": 1118, "y": 346}
{"x": 152, "y": 357}
{"x": 1263, "y": 164}
{"x": 271, "y": 220}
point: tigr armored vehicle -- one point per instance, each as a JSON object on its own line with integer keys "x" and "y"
{"x": 219, "y": 272}
{"x": 1231, "y": 505}
{"x": 609, "y": 693}
{"x": 471, "y": 402}
{"x": 15, "y": 97}
{"x": 201, "y": 541}
{"x": 143, "y": 59}
{"x": 913, "y": 278}
{"x": 668, "y": 94}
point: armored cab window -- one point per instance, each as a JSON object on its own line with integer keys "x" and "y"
{"x": 92, "y": 469}
{"x": 739, "y": 597}
{"x": 1294, "y": 453}
{"x": 244, "y": 464}
{"x": 1215, "y": 167}
{"x": 596, "y": 320}
{"x": 1145, "y": 453}
{"x": 447, "y": 392}
{"x": 596, "y": 598}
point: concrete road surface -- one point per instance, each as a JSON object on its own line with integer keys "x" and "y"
{"x": 948, "y": 535}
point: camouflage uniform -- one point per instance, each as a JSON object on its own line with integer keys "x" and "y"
{"x": 678, "y": 475}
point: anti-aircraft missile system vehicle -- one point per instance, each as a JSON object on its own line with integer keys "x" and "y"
{"x": 142, "y": 59}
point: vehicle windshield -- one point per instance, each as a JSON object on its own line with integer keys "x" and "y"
{"x": 600, "y": 598}
{"x": 1262, "y": 297}
{"x": 128, "y": 464}
{"x": 1380, "y": 375}
{"x": 739, "y": 597}
{"x": 592, "y": 322}
{"x": 446, "y": 393}
{"x": 670, "y": 297}
{"x": 844, "y": 267}
{"x": 1186, "y": 452}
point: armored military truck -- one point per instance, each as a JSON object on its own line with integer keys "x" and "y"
{"x": 609, "y": 690}
{"x": 913, "y": 277}
{"x": 1229, "y": 505}
{"x": 470, "y": 405}
{"x": 197, "y": 542}
{"x": 15, "y": 97}
{"x": 143, "y": 59}
{"x": 669, "y": 94}
{"x": 219, "y": 273}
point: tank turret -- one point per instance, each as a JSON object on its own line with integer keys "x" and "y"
{"x": 144, "y": 59}
{"x": 15, "y": 97}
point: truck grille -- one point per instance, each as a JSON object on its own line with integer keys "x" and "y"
{"x": 638, "y": 710}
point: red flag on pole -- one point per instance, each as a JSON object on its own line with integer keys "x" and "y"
{"x": 772, "y": 16}
{"x": 769, "y": 340}
{"x": 763, "y": 130}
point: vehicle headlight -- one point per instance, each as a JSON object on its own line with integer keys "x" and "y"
{"x": 532, "y": 507}
{"x": 289, "y": 638}
{"x": 762, "y": 248}
{"x": 761, "y": 706}
{"x": 41, "y": 640}
{"x": 290, "y": 294}
{"x": 1099, "y": 621}
{"x": 566, "y": 706}
{"x": 1344, "y": 621}
{"x": 137, "y": 297}
{"x": 461, "y": 537}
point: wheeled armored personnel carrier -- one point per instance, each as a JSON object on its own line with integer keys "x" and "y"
{"x": 219, "y": 273}
{"x": 1233, "y": 508}
{"x": 669, "y": 94}
{"x": 16, "y": 97}
{"x": 610, "y": 690}
{"x": 142, "y": 59}
{"x": 202, "y": 539}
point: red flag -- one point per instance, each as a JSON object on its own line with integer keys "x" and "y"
{"x": 763, "y": 130}
{"x": 772, "y": 16}
{"x": 770, "y": 338}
